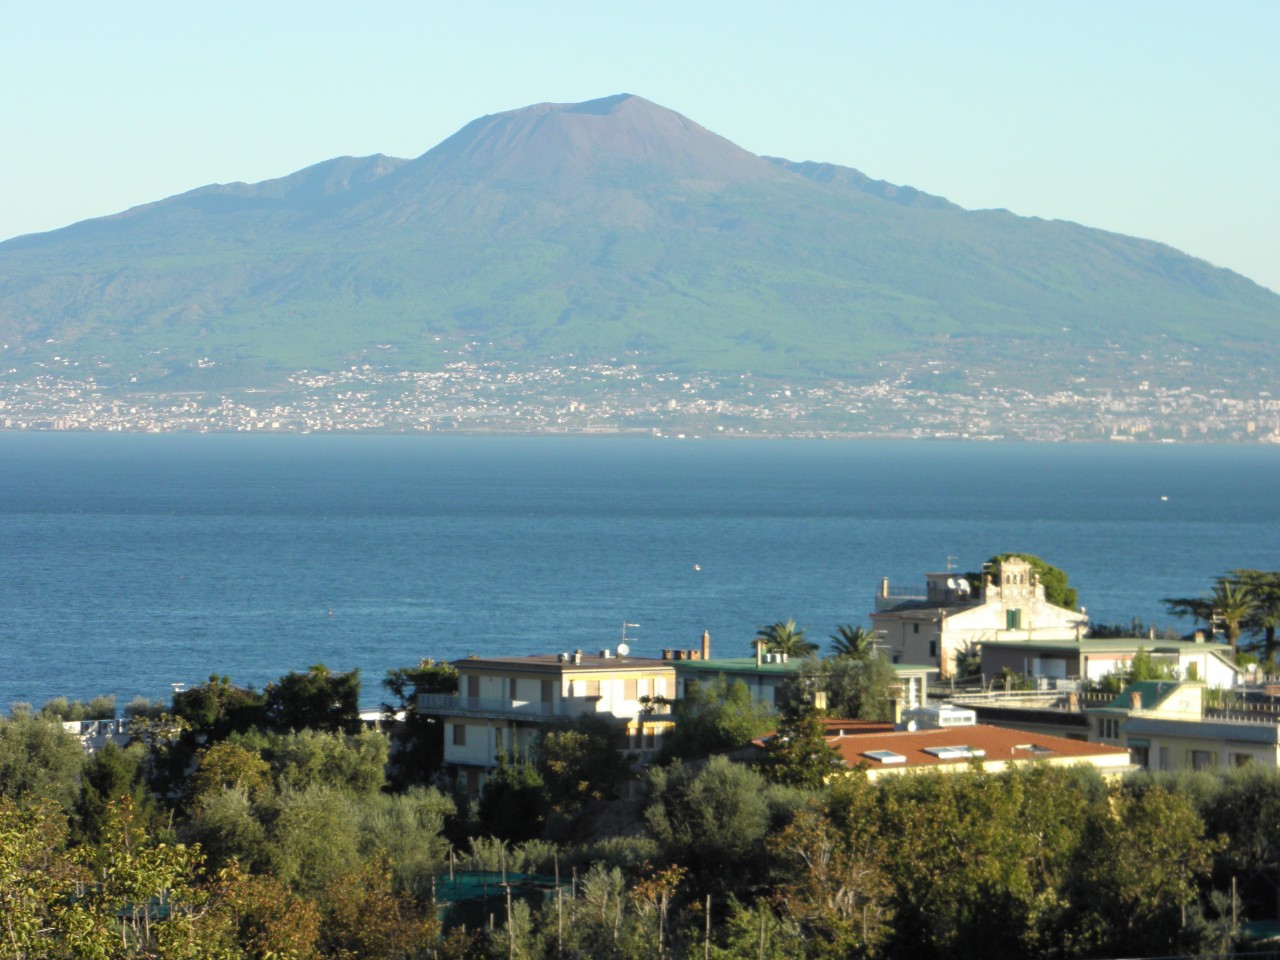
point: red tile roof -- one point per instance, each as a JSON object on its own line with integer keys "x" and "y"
{"x": 996, "y": 744}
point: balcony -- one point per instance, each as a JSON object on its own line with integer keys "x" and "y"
{"x": 452, "y": 704}
{"x": 448, "y": 704}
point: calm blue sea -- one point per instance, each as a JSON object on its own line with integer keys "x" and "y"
{"x": 128, "y": 562}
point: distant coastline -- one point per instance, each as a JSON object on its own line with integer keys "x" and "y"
{"x": 624, "y": 400}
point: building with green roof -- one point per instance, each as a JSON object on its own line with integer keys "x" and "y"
{"x": 766, "y": 673}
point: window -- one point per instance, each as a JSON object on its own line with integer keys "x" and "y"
{"x": 915, "y": 628}
{"x": 650, "y": 738}
{"x": 961, "y": 752}
{"x": 459, "y": 734}
{"x": 1109, "y": 728}
{"x": 546, "y": 691}
{"x": 885, "y": 756}
{"x": 1140, "y": 756}
{"x": 631, "y": 689}
{"x": 473, "y": 688}
{"x": 513, "y": 687}
{"x": 1013, "y": 619}
{"x": 1202, "y": 760}
{"x": 659, "y": 687}
{"x": 1034, "y": 749}
{"x": 933, "y": 648}
{"x": 1242, "y": 759}
{"x": 593, "y": 688}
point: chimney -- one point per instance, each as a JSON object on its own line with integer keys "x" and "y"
{"x": 666, "y": 655}
{"x": 1135, "y": 700}
{"x": 759, "y": 652}
{"x": 884, "y": 587}
{"x": 706, "y": 644}
{"x": 1073, "y": 702}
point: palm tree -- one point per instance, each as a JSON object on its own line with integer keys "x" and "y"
{"x": 853, "y": 643}
{"x": 786, "y": 638}
{"x": 1232, "y": 604}
{"x": 1264, "y": 618}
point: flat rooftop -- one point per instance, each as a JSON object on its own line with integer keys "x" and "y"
{"x": 960, "y": 744}
{"x": 552, "y": 663}
{"x": 1109, "y": 645}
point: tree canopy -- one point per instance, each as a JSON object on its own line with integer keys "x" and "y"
{"x": 316, "y": 700}
{"x": 785, "y": 637}
{"x": 715, "y": 716}
{"x": 1242, "y": 602}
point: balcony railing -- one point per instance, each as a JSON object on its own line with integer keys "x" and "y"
{"x": 494, "y": 706}
{"x": 503, "y": 707}
{"x": 96, "y": 728}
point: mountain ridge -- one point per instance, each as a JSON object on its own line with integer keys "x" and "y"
{"x": 607, "y": 228}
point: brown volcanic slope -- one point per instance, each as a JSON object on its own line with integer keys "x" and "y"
{"x": 603, "y": 229}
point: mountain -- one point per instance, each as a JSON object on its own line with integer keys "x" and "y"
{"x": 607, "y": 229}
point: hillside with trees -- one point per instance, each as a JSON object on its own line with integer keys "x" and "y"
{"x": 247, "y": 824}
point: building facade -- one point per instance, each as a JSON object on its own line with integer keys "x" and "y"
{"x": 946, "y": 739}
{"x": 766, "y": 674}
{"x": 1162, "y": 724}
{"x": 1093, "y": 660}
{"x": 503, "y": 703}
{"x": 952, "y": 616}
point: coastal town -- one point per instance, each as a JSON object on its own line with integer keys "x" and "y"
{"x": 466, "y": 395}
{"x": 790, "y": 803}
{"x": 577, "y": 481}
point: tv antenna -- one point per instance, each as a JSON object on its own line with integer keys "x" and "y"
{"x": 624, "y": 634}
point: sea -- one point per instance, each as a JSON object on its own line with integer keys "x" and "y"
{"x": 130, "y": 563}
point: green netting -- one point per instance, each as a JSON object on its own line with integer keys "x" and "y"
{"x": 472, "y": 897}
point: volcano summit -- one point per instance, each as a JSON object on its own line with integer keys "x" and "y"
{"x": 614, "y": 230}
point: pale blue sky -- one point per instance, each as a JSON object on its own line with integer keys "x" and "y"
{"x": 1156, "y": 119}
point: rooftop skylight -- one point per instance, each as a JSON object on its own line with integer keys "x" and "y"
{"x": 954, "y": 753}
{"x": 885, "y": 756}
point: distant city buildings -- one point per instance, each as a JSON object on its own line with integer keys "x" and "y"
{"x": 600, "y": 398}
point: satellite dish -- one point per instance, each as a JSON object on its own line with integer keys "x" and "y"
{"x": 912, "y": 726}
{"x": 623, "y": 649}
{"x": 951, "y": 583}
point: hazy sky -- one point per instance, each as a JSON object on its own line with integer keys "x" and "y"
{"x": 1156, "y": 119}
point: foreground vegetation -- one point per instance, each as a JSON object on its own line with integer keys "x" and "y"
{"x": 243, "y": 824}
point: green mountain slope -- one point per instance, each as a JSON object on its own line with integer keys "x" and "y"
{"x": 606, "y": 229}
